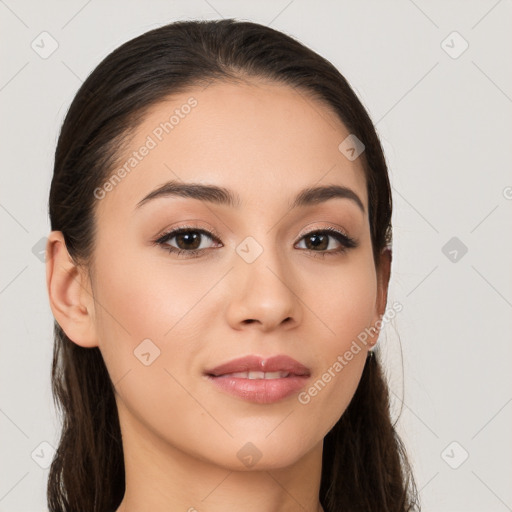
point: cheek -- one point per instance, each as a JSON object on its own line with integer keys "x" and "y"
{"x": 144, "y": 308}
{"x": 344, "y": 303}
{"x": 149, "y": 339}
{"x": 345, "y": 306}
{"x": 146, "y": 298}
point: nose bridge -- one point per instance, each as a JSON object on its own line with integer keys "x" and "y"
{"x": 264, "y": 280}
{"x": 261, "y": 257}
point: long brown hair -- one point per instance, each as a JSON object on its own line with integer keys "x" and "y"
{"x": 364, "y": 464}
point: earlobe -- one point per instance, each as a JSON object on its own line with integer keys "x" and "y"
{"x": 69, "y": 293}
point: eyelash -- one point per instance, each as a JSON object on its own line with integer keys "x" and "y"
{"x": 345, "y": 241}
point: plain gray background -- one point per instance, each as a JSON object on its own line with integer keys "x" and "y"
{"x": 443, "y": 112}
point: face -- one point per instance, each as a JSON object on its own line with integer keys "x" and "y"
{"x": 266, "y": 278}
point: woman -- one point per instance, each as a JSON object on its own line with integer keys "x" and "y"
{"x": 218, "y": 270}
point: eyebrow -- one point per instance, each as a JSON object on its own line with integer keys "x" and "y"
{"x": 223, "y": 196}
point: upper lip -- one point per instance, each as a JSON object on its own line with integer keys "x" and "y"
{"x": 260, "y": 364}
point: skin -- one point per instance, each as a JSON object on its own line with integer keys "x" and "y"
{"x": 181, "y": 434}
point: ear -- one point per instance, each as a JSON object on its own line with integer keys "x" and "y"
{"x": 70, "y": 294}
{"x": 383, "y": 275}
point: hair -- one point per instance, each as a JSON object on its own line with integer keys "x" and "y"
{"x": 364, "y": 465}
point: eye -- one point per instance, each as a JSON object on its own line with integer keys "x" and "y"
{"x": 319, "y": 239}
{"x": 189, "y": 241}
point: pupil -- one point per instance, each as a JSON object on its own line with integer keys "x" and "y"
{"x": 187, "y": 237}
{"x": 318, "y": 243}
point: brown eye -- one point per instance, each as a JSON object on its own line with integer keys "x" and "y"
{"x": 319, "y": 241}
{"x": 187, "y": 242}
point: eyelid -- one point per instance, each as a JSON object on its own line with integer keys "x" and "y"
{"x": 207, "y": 231}
{"x": 211, "y": 231}
{"x": 308, "y": 229}
{"x": 347, "y": 242}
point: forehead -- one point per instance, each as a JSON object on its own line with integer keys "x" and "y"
{"x": 263, "y": 140}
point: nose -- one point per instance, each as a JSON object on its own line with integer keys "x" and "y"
{"x": 263, "y": 293}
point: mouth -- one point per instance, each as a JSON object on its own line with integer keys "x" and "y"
{"x": 260, "y": 380}
{"x": 255, "y": 375}
{"x": 256, "y": 366}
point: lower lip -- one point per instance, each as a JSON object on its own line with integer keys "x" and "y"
{"x": 260, "y": 391}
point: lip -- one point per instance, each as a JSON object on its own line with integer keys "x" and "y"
{"x": 262, "y": 391}
{"x": 279, "y": 363}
